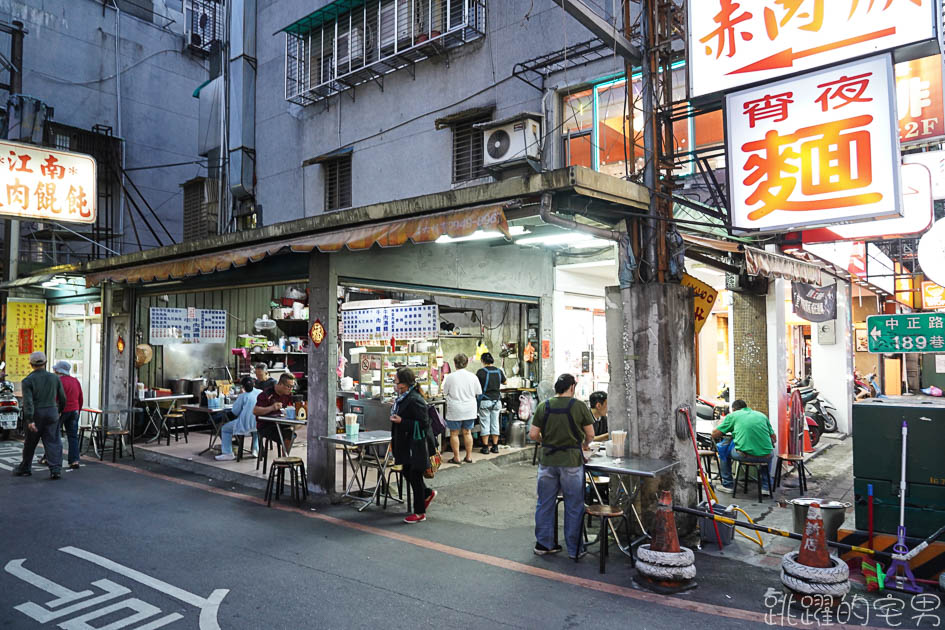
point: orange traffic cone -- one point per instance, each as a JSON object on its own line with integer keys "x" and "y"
{"x": 808, "y": 447}
{"x": 663, "y": 533}
{"x": 813, "y": 552}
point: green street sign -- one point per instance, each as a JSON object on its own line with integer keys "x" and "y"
{"x": 916, "y": 332}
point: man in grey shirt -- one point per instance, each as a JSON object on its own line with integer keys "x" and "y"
{"x": 43, "y": 401}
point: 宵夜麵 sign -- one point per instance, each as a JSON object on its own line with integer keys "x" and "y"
{"x": 916, "y": 214}
{"x": 933, "y": 295}
{"x": 25, "y": 333}
{"x": 46, "y": 184}
{"x": 815, "y": 149}
{"x": 735, "y": 42}
{"x": 914, "y": 332}
{"x": 704, "y": 299}
{"x": 919, "y": 98}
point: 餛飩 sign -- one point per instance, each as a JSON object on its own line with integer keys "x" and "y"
{"x": 814, "y": 150}
{"x": 914, "y": 332}
{"x": 737, "y": 42}
{"x": 45, "y": 184}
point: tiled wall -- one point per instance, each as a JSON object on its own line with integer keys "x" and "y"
{"x": 749, "y": 338}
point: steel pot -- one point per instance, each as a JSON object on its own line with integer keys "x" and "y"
{"x": 179, "y": 386}
{"x": 196, "y": 386}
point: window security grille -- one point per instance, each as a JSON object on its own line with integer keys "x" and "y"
{"x": 204, "y": 23}
{"x": 467, "y": 150}
{"x": 338, "y": 183}
{"x": 326, "y": 56}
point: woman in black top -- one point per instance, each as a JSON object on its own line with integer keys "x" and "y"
{"x": 411, "y": 440}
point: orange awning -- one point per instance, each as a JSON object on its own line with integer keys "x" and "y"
{"x": 455, "y": 224}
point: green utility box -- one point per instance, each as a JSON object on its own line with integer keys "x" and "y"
{"x": 877, "y": 449}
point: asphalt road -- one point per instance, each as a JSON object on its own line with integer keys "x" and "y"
{"x": 149, "y": 547}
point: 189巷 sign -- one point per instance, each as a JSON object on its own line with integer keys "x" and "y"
{"x": 914, "y": 332}
{"x": 46, "y": 184}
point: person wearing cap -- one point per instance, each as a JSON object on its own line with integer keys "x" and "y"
{"x": 43, "y": 401}
{"x": 564, "y": 426}
{"x": 70, "y": 413}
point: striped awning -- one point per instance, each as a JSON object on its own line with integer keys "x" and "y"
{"x": 455, "y": 223}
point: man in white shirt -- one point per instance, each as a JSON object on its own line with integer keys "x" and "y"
{"x": 461, "y": 390}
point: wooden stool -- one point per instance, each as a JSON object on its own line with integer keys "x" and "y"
{"x": 398, "y": 470}
{"x": 798, "y": 461}
{"x": 748, "y": 466}
{"x": 276, "y": 483}
{"x": 605, "y": 513}
{"x": 708, "y": 456}
{"x": 175, "y": 419}
{"x": 117, "y": 434}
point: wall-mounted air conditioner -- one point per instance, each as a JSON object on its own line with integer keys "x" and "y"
{"x": 512, "y": 141}
{"x": 389, "y": 29}
{"x": 356, "y": 51}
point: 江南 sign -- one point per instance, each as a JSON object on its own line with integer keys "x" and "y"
{"x": 914, "y": 332}
{"x": 46, "y": 184}
{"x": 919, "y": 99}
{"x": 735, "y": 42}
{"x": 815, "y": 149}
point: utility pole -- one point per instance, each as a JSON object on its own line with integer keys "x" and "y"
{"x": 12, "y": 226}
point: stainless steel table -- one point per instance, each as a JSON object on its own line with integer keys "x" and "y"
{"x": 152, "y": 411}
{"x": 372, "y": 443}
{"x": 628, "y": 470}
{"x": 215, "y": 426}
{"x": 283, "y": 421}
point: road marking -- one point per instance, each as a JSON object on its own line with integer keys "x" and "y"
{"x": 502, "y": 563}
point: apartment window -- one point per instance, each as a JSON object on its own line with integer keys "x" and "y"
{"x": 338, "y": 47}
{"x": 467, "y": 150}
{"x": 337, "y": 182}
{"x": 204, "y": 24}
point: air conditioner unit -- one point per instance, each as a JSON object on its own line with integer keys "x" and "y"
{"x": 356, "y": 52}
{"x": 511, "y": 141}
{"x": 388, "y": 28}
{"x": 204, "y": 25}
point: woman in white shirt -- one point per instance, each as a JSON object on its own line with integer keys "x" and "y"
{"x": 461, "y": 390}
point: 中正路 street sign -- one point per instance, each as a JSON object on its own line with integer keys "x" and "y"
{"x": 914, "y": 332}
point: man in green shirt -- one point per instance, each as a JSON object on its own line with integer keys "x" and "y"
{"x": 564, "y": 425}
{"x": 43, "y": 401}
{"x": 752, "y": 440}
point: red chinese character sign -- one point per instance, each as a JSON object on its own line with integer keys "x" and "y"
{"x": 45, "y": 184}
{"x": 919, "y": 98}
{"x": 740, "y": 42}
{"x": 815, "y": 149}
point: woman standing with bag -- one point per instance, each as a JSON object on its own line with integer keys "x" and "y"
{"x": 411, "y": 440}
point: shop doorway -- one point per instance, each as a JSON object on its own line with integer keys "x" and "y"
{"x": 75, "y": 335}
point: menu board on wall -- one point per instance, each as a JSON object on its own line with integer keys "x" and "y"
{"x": 401, "y": 322}
{"x": 186, "y": 325}
{"x": 25, "y": 333}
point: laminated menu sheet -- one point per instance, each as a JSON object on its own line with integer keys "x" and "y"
{"x": 420, "y": 321}
{"x": 187, "y": 325}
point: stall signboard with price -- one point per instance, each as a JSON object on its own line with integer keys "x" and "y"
{"x": 732, "y": 44}
{"x": 182, "y": 325}
{"x": 704, "y": 299}
{"x": 411, "y": 321}
{"x": 913, "y": 332}
{"x": 814, "y": 149}
{"x": 43, "y": 184}
{"x": 25, "y": 334}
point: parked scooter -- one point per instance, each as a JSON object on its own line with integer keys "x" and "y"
{"x": 9, "y": 405}
{"x": 816, "y": 407}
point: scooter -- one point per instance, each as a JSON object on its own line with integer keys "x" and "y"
{"x": 9, "y": 406}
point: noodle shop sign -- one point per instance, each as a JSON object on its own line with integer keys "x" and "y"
{"x": 733, "y": 43}
{"x": 814, "y": 150}
{"x": 46, "y": 184}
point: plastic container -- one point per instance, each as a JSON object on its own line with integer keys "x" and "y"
{"x": 706, "y": 528}
{"x": 834, "y": 513}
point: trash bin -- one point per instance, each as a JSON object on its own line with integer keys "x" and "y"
{"x": 706, "y": 528}
{"x": 834, "y": 513}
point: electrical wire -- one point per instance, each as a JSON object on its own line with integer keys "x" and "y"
{"x": 111, "y": 76}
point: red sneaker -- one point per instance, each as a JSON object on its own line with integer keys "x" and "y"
{"x": 415, "y": 518}
{"x": 429, "y": 500}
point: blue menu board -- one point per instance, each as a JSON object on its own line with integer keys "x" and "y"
{"x": 186, "y": 325}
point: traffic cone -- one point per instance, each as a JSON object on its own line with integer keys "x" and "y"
{"x": 663, "y": 534}
{"x": 813, "y": 552}
{"x": 808, "y": 447}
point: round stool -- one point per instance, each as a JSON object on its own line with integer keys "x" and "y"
{"x": 798, "y": 461}
{"x": 708, "y": 456}
{"x": 605, "y": 513}
{"x": 747, "y": 466}
{"x": 276, "y": 483}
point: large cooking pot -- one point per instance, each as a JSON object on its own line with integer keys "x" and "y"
{"x": 179, "y": 386}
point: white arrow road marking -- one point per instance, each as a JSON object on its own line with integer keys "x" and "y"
{"x": 208, "y": 607}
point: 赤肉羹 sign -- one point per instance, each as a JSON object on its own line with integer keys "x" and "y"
{"x": 913, "y": 332}
{"x": 815, "y": 149}
{"x": 735, "y": 42}
{"x": 46, "y": 184}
